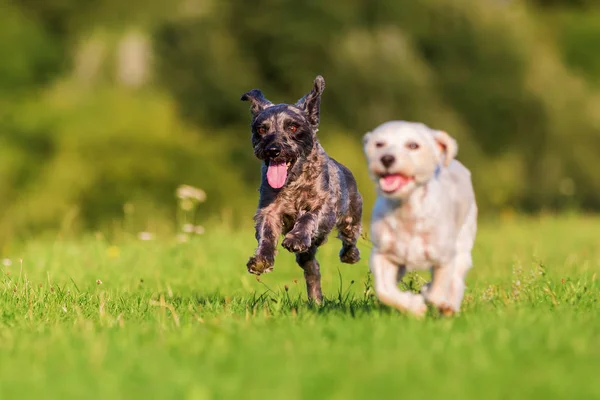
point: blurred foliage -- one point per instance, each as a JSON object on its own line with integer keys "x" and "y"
{"x": 79, "y": 139}
{"x": 577, "y": 33}
{"x": 96, "y": 151}
{"x": 31, "y": 58}
{"x": 565, "y": 3}
{"x": 478, "y": 69}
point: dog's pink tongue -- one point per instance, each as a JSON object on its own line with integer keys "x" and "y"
{"x": 276, "y": 174}
{"x": 391, "y": 183}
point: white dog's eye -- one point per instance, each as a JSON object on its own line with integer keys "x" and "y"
{"x": 379, "y": 144}
{"x": 412, "y": 145}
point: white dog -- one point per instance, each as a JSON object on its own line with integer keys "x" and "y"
{"x": 425, "y": 215}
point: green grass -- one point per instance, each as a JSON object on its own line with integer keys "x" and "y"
{"x": 185, "y": 320}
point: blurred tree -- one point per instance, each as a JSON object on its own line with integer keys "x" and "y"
{"x": 468, "y": 64}
{"x": 32, "y": 58}
{"x": 565, "y": 3}
{"x": 86, "y": 124}
{"x": 103, "y": 152}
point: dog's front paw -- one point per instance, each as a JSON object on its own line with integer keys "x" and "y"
{"x": 259, "y": 264}
{"x": 417, "y": 306}
{"x": 447, "y": 310}
{"x": 296, "y": 243}
{"x": 350, "y": 255}
{"x": 443, "y": 306}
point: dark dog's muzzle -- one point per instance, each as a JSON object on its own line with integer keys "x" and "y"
{"x": 273, "y": 151}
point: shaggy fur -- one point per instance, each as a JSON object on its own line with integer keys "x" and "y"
{"x": 304, "y": 193}
{"x": 425, "y": 215}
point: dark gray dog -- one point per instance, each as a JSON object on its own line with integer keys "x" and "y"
{"x": 304, "y": 193}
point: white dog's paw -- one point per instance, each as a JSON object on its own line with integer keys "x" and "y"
{"x": 447, "y": 310}
{"x": 444, "y": 306}
{"x": 417, "y": 305}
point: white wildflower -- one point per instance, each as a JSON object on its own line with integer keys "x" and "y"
{"x": 190, "y": 192}
{"x": 146, "y": 236}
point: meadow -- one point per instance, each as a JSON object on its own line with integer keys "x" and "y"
{"x": 108, "y": 109}
{"x": 120, "y": 317}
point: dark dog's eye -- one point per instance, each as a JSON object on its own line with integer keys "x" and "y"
{"x": 262, "y": 130}
{"x": 293, "y": 128}
{"x": 412, "y": 145}
{"x": 379, "y": 144}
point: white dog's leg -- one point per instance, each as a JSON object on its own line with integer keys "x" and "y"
{"x": 456, "y": 291}
{"x": 385, "y": 274}
{"x": 438, "y": 290}
{"x": 463, "y": 261}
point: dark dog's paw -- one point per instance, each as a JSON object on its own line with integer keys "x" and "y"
{"x": 349, "y": 255}
{"x": 258, "y": 265}
{"x": 295, "y": 243}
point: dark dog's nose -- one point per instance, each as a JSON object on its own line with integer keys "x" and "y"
{"x": 388, "y": 160}
{"x": 273, "y": 151}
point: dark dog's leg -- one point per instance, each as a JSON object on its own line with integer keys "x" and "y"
{"x": 318, "y": 227}
{"x": 312, "y": 273}
{"x": 349, "y": 228}
{"x": 268, "y": 229}
{"x": 298, "y": 240}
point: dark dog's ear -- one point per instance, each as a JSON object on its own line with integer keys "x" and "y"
{"x": 259, "y": 103}
{"x": 311, "y": 103}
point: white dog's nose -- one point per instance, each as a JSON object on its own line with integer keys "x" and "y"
{"x": 387, "y": 160}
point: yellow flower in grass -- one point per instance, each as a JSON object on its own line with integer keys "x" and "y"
{"x": 113, "y": 252}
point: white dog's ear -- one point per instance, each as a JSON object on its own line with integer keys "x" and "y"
{"x": 447, "y": 146}
{"x": 366, "y": 138}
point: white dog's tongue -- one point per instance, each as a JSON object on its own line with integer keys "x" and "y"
{"x": 391, "y": 183}
{"x": 276, "y": 174}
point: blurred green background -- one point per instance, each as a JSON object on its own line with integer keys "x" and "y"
{"x": 106, "y": 106}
